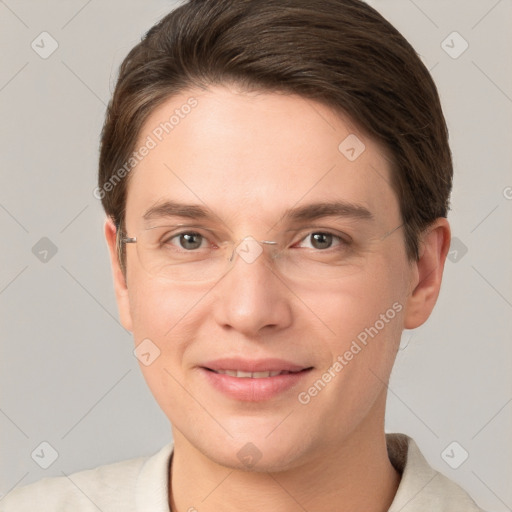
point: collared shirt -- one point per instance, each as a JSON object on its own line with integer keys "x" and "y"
{"x": 141, "y": 485}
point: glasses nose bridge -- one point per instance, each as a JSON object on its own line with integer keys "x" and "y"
{"x": 249, "y": 249}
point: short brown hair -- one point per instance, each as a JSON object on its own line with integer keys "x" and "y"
{"x": 342, "y": 53}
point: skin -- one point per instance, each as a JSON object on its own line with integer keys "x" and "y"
{"x": 248, "y": 157}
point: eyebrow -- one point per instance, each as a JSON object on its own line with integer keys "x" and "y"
{"x": 298, "y": 214}
{"x": 173, "y": 209}
{"x": 329, "y": 209}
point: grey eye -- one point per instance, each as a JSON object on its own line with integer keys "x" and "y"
{"x": 321, "y": 240}
{"x": 190, "y": 241}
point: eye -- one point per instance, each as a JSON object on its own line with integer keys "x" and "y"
{"x": 187, "y": 240}
{"x": 320, "y": 240}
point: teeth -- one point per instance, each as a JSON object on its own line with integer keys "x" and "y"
{"x": 252, "y": 375}
{"x": 257, "y": 375}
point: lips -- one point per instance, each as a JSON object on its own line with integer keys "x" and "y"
{"x": 253, "y": 380}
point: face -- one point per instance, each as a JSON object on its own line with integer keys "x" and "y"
{"x": 322, "y": 309}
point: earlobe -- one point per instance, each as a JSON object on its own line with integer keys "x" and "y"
{"x": 434, "y": 246}
{"x": 120, "y": 286}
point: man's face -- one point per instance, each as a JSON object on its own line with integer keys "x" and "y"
{"x": 338, "y": 291}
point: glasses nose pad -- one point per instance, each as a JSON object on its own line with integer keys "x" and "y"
{"x": 232, "y": 257}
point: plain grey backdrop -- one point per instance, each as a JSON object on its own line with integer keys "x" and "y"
{"x": 72, "y": 396}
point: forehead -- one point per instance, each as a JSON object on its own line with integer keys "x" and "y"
{"x": 254, "y": 155}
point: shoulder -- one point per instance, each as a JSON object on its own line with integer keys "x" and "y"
{"x": 422, "y": 487}
{"x": 110, "y": 487}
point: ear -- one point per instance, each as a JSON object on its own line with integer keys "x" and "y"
{"x": 428, "y": 273}
{"x": 120, "y": 288}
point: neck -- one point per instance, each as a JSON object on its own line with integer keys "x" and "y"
{"x": 355, "y": 475}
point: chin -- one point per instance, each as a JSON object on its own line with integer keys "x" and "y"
{"x": 257, "y": 452}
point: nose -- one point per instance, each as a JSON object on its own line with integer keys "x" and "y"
{"x": 252, "y": 298}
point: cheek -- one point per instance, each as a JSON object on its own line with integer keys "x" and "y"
{"x": 350, "y": 305}
{"x": 159, "y": 309}
{"x": 160, "y": 313}
{"x": 362, "y": 317}
{"x": 163, "y": 321}
{"x": 364, "y": 314}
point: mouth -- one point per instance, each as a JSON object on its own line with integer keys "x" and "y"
{"x": 253, "y": 381}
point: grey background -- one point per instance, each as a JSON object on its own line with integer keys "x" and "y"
{"x": 68, "y": 375}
